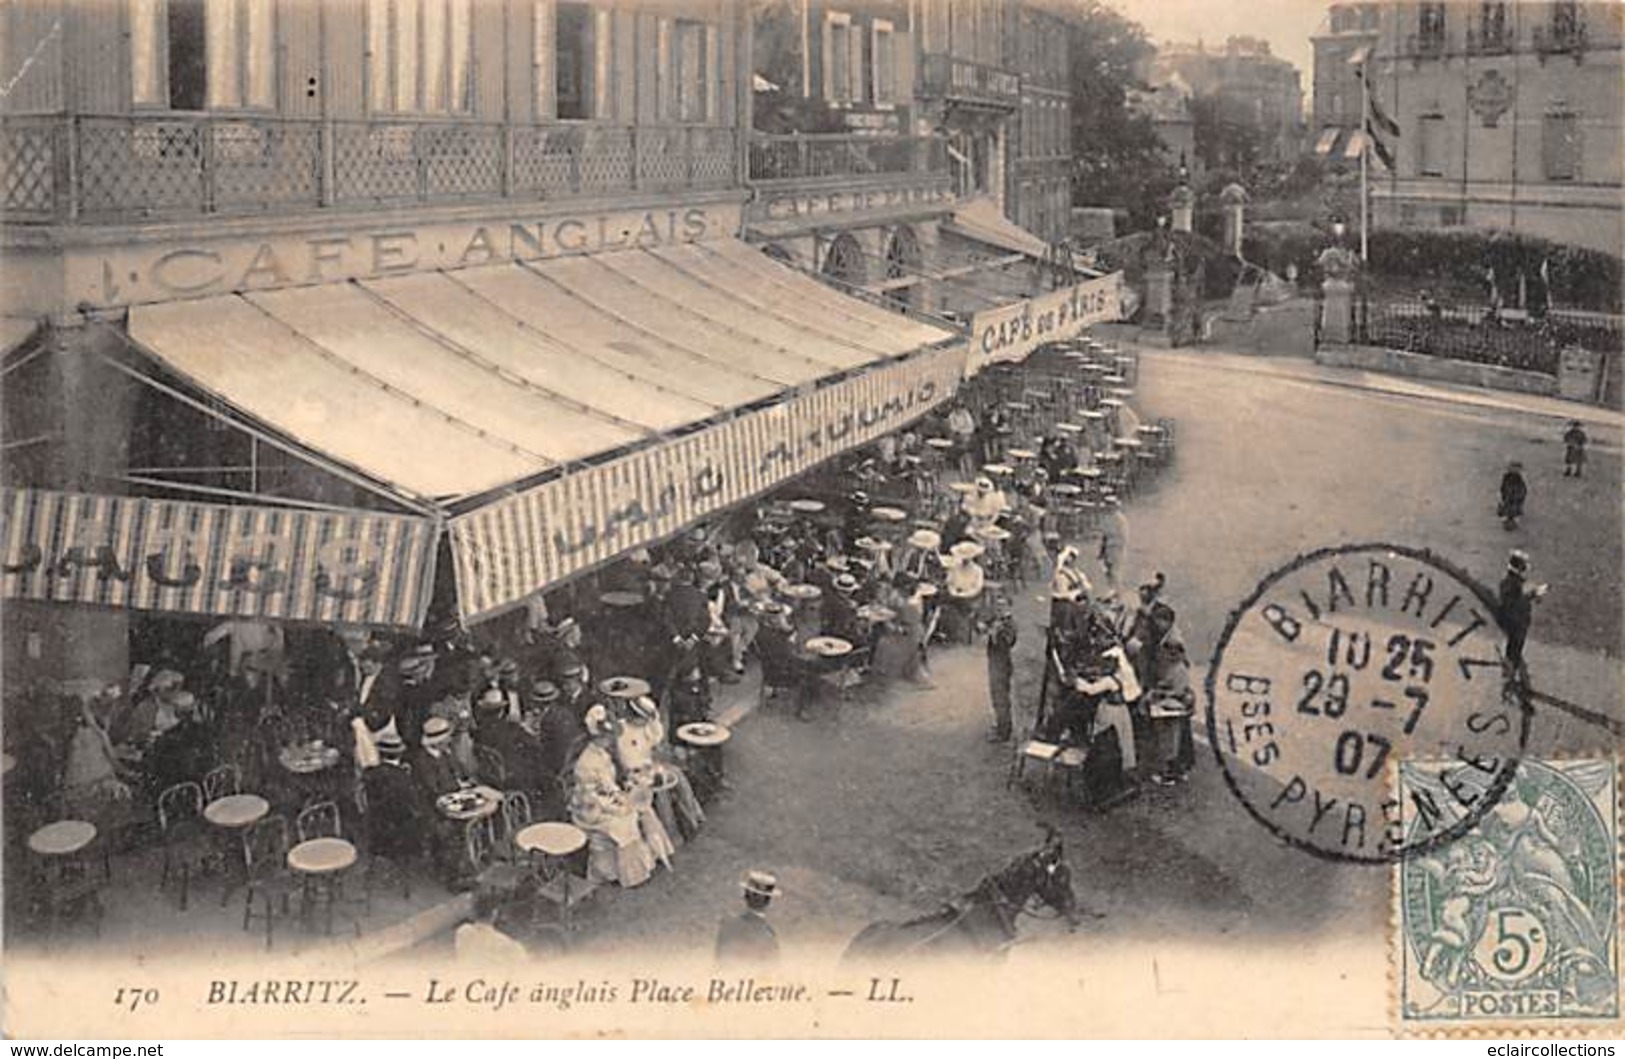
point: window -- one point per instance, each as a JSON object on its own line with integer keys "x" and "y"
{"x": 691, "y": 73}
{"x": 419, "y": 56}
{"x": 1430, "y": 26}
{"x": 573, "y": 62}
{"x": 1430, "y": 145}
{"x": 202, "y": 54}
{"x": 883, "y": 80}
{"x": 1560, "y": 146}
{"x": 840, "y": 69}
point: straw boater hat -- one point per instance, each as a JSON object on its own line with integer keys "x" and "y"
{"x": 984, "y": 484}
{"x": 490, "y": 701}
{"x": 544, "y": 691}
{"x": 761, "y": 883}
{"x": 1518, "y": 561}
{"x": 837, "y": 562}
{"x": 644, "y": 707}
{"x": 926, "y": 539}
{"x": 389, "y": 744}
{"x": 846, "y": 583}
{"x": 436, "y": 730}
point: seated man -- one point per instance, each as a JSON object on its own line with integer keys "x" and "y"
{"x": 437, "y": 773}
{"x": 394, "y": 810}
{"x": 523, "y": 762}
{"x": 783, "y": 665}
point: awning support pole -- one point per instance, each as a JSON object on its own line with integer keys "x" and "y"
{"x": 410, "y": 503}
{"x": 235, "y": 494}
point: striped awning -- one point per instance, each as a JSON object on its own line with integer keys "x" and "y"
{"x": 241, "y": 561}
{"x": 1327, "y": 141}
{"x": 635, "y": 390}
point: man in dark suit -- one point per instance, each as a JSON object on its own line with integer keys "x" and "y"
{"x": 394, "y": 807}
{"x": 748, "y": 938}
{"x": 436, "y": 772}
{"x": 521, "y": 752}
{"x": 558, "y": 729}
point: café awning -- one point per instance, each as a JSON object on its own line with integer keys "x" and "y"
{"x": 981, "y": 219}
{"x": 562, "y": 390}
{"x": 14, "y": 331}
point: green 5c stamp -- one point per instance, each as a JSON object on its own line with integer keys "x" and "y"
{"x": 1517, "y": 921}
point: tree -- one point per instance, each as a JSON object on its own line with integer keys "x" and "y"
{"x": 776, "y": 58}
{"x": 1118, "y": 159}
{"x": 1222, "y": 142}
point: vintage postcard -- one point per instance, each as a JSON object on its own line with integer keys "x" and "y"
{"x": 811, "y": 518}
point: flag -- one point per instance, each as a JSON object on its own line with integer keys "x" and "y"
{"x": 1383, "y": 121}
{"x": 1377, "y": 120}
{"x": 1379, "y": 148}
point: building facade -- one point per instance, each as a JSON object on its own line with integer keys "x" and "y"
{"x": 1249, "y": 87}
{"x": 878, "y": 122}
{"x": 1509, "y": 116}
{"x": 1347, "y": 28}
{"x": 310, "y": 304}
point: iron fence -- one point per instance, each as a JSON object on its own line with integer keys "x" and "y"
{"x": 840, "y": 155}
{"x": 82, "y": 167}
{"x": 1482, "y": 335}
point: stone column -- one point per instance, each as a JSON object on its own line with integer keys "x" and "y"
{"x": 1234, "y": 200}
{"x": 1337, "y": 312}
{"x": 1182, "y": 207}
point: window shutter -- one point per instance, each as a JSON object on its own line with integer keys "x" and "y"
{"x": 603, "y": 65}
{"x": 542, "y": 60}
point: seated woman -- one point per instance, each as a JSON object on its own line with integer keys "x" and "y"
{"x": 92, "y": 778}
{"x": 600, "y": 806}
{"x": 642, "y": 752}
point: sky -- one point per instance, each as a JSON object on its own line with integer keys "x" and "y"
{"x": 1286, "y": 24}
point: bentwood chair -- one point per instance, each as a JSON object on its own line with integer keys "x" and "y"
{"x": 270, "y": 881}
{"x": 319, "y": 820}
{"x": 484, "y": 850}
{"x": 186, "y": 840}
{"x": 516, "y": 815}
{"x": 221, "y": 781}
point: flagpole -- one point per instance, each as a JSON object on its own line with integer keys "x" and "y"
{"x": 1365, "y": 160}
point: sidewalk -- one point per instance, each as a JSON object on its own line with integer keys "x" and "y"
{"x": 1393, "y": 385}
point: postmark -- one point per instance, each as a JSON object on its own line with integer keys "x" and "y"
{"x": 1344, "y": 663}
{"x": 1518, "y": 921}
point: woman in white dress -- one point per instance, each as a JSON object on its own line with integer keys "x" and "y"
{"x": 642, "y": 734}
{"x": 601, "y": 807}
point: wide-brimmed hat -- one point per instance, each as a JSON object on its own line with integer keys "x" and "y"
{"x": 761, "y": 883}
{"x": 924, "y": 538}
{"x": 624, "y": 687}
{"x": 436, "y": 730}
{"x": 966, "y": 550}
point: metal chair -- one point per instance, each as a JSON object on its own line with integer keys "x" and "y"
{"x": 491, "y": 871}
{"x": 319, "y": 820}
{"x": 220, "y": 781}
{"x": 516, "y": 815}
{"x": 265, "y": 851}
{"x": 182, "y": 830}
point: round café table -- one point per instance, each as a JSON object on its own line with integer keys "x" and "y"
{"x": 807, "y": 506}
{"x": 705, "y": 740}
{"x": 624, "y": 687}
{"x": 1022, "y": 454}
{"x": 888, "y": 514}
{"x": 472, "y": 803}
{"x": 549, "y": 843}
{"x": 829, "y": 646}
{"x": 64, "y": 877}
{"x": 320, "y": 862}
{"x": 621, "y": 600}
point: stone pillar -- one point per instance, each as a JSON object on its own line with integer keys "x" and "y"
{"x": 1182, "y": 207}
{"x": 1159, "y": 295}
{"x": 1337, "y": 312}
{"x": 1234, "y": 200}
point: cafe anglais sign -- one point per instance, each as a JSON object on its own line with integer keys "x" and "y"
{"x": 1013, "y": 331}
{"x": 347, "y": 567}
{"x": 140, "y": 272}
{"x": 512, "y": 547}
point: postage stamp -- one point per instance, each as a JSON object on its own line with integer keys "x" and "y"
{"x": 1518, "y": 920}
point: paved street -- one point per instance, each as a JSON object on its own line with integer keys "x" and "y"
{"x": 898, "y": 802}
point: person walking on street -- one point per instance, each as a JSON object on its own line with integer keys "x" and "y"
{"x": 1516, "y": 607}
{"x": 1113, "y": 553}
{"x": 1514, "y": 491}
{"x": 1001, "y": 643}
{"x": 1574, "y": 449}
{"x": 748, "y": 938}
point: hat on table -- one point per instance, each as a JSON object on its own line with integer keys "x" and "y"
{"x": 761, "y": 883}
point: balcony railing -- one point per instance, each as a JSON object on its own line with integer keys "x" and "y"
{"x": 1560, "y": 37}
{"x": 1491, "y": 39}
{"x": 777, "y": 158}
{"x": 164, "y": 166}
{"x": 1424, "y": 46}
